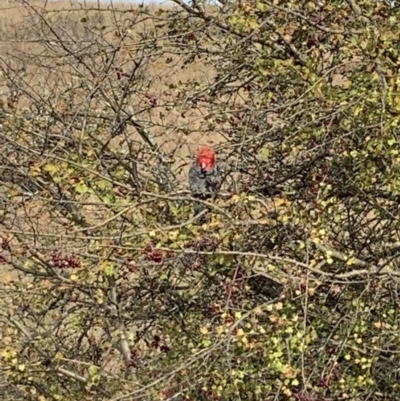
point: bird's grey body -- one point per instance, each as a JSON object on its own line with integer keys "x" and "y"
{"x": 204, "y": 183}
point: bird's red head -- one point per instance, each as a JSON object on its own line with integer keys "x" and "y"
{"x": 205, "y": 158}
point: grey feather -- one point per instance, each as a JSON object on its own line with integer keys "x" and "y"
{"x": 204, "y": 183}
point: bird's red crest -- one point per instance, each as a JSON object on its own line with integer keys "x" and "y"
{"x": 205, "y": 158}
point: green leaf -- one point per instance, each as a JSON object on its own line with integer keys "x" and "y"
{"x": 263, "y": 154}
{"x": 109, "y": 270}
{"x": 108, "y": 198}
{"x": 100, "y": 296}
{"x": 103, "y": 185}
{"x": 81, "y": 188}
{"x": 93, "y": 370}
{"x": 51, "y": 168}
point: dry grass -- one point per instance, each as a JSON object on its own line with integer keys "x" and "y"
{"x": 16, "y": 41}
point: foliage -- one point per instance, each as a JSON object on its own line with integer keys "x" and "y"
{"x": 112, "y": 290}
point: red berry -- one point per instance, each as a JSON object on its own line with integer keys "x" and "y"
{"x": 5, "y": 243}
{"x": 155, "y": 256}
{"x": 165, "y": 348}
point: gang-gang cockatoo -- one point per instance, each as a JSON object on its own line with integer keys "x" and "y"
{"x": 204, "y": 176}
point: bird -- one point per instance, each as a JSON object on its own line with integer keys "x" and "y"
{"x": 204, "y": 176}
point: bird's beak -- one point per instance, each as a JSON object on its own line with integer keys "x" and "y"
{"x": 203, "y": 166}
